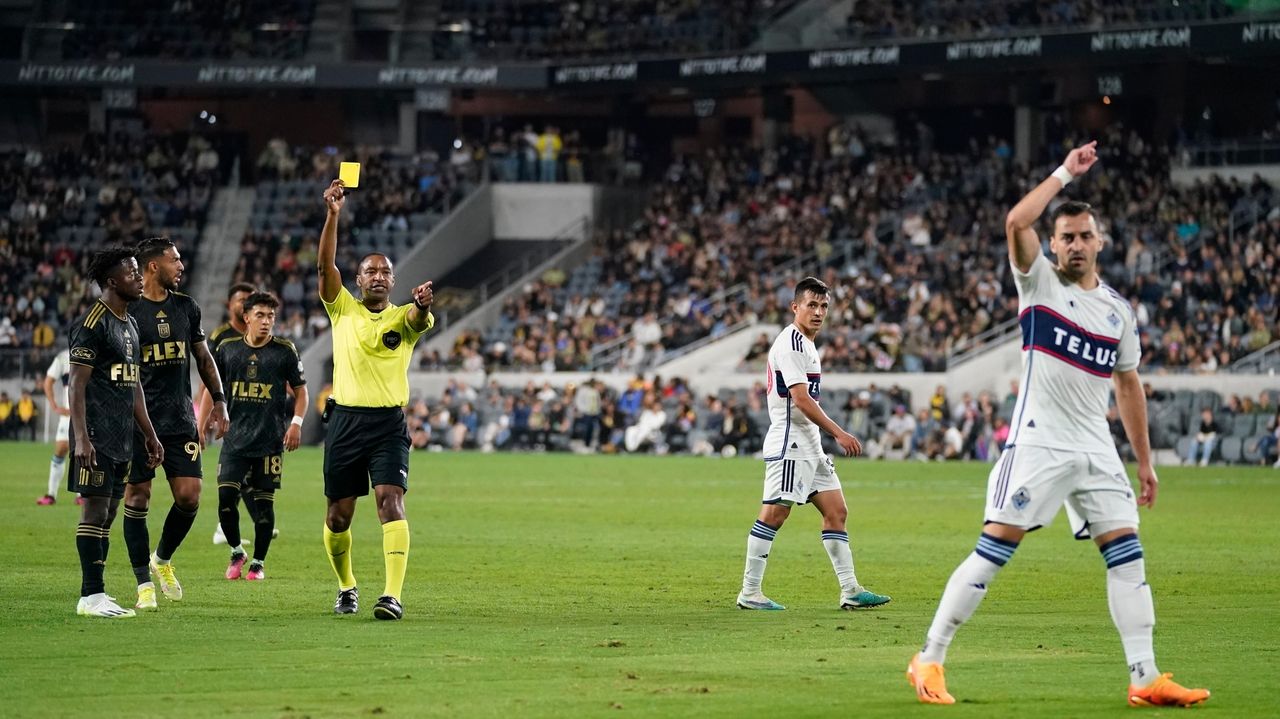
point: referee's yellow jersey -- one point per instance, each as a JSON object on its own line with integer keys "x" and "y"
{"x": 371, "y": 352}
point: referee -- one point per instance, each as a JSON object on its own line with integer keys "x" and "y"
{"x": 367, "y": 443}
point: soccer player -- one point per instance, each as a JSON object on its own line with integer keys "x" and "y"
{"x": 233, "y": 328}
{"x": 256, "y": 369}
{"x": 1080, "y": 340}
{"x": 104, "y": 391}
{"x": 368, "y": 441}
{"x": 796, "y": 470}
{"x": 56, "y": 379}
{"x": 170, "y": 332}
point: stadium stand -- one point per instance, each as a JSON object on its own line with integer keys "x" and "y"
{"x": 183, "y": 29}
{"x": 61, "y": 203}
{"x": 887, "y": 227}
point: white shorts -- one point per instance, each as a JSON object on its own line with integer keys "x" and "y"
{"x": 794, "y": 481}
{"x": 64, "y": 429}
{"x": 1030, "y": 484}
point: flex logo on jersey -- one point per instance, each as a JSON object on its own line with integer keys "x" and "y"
{"x": 250, "y": 390}
{"x": 162, "y": 351}
{"x": 815, "y": 384}
{"x": 124, "y": 373}
{"x": 1044, "y": 330}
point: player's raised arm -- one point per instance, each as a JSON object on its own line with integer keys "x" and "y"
{"x": 419, "y": 316}
{"x": 1024, "y": 245}
{"x": 327, "y": 254}
{"x": 811, "y": 409}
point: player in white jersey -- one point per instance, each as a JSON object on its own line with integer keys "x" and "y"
{"x": 1079, "y": 340}
{"x": 56, "y": 379}
{"x": 796, "y": 469}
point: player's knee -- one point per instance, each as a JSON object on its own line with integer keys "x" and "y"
{"x": 137, "y": 495}
{"x": 95, "y": 510}
{"x": 836, "y": 515}
{"x": 774, "y": 514}
{"x": 337, "y": 521}
{"x": 227, "y": 498}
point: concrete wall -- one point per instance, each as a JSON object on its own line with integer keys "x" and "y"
{"x": 1243, "y": 173}
{"x": 534, "y": 211}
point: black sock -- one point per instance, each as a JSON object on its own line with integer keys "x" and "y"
{"x": 228, "y": 515}
{"x": 138, "y": 542}
{"x": 265, "y": 524}
{"x": 106, "y": 545}
{"x": 176, "y": 526}
{"x": 250, "y": 504}
{"x": 89, "y": 547}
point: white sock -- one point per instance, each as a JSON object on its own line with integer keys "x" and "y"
{"x": 239, "y": 549}
{"x": 1134, "y": 614}
{"x": 55, "y": 474}
{"x": 759, "y": 542}
{"x": 159, "y": 562}
{"x": 837, "y": 545}
{"x": 964, "y": 592}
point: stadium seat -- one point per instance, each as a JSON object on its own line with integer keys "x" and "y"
{"x": 1246, "y": 425}
{"x": 1249, "y": 450}
{"x": 1183, "y": 446}
{"x": 1230, "y": 449}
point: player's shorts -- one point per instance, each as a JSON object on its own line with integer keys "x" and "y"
{"x": 794, "y": 481}
{"x": 261, "y": 473}
{"x": 365, "y": 446}
{"x": 181, "y": 458}
{"x": 105, "y": 480}
{"x": 64, "y": 430}
{"x": 1030, "y": 484}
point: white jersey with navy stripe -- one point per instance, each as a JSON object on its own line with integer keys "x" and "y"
{"x": 793, "y": 360}
{"x": 1072, "y": 341}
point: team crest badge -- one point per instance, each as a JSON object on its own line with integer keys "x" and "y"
{"x": 1021, "y": 499}
{"x": 252, "y": 372}
{"x": 1114, "y": 319}
{"x": 163, "y": 329}
{"x": 391, "y": 339}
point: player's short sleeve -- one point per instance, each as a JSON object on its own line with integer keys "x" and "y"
{"x": 294, "y": 373}
{"x": 410, "y": 334}
{"x": 196, "y": 332}
{"x": 341, "y": 304}
{"x": 1129, "y": 353}
{"x": 86, "y": 344}
{"x": 1038, "y": 278}
{"x": 57, "y": 367}
{"x": 793, "y": 365}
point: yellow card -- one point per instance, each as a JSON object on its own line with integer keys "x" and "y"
{"x": 349, "y": 173}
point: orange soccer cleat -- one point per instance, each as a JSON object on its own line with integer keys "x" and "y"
{"x": 931, "y": 686}
{"x": 1165, "y": 692}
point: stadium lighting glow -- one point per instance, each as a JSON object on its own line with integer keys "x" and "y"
{"x": 204, "y": 114}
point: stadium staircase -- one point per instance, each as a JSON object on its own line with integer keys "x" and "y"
{"x": 220, "y": 248}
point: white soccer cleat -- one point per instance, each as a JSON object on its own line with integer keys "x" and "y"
{"x": 758, "y": 601}
{"x": 218, "y": 536}
{"x": 100, "y": 605}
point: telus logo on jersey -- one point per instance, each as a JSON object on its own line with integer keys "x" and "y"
{"x": 1047, "y": 331}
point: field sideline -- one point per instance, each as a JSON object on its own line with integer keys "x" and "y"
{"x": 557, "y": 585}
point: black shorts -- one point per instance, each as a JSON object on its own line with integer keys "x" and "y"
{"x": 181, "y": 458}
{"x": 260, "y": 473}
{"x": 105, "y": 480}
{"x": 365, "y": 446}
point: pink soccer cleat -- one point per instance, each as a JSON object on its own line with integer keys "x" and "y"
{"x": 236, "y": 566}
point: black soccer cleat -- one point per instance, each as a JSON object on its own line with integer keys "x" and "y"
{"x": 348, "y": 601}
{"x": 388, "y": 607}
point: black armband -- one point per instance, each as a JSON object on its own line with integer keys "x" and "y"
{"x": 218, "y": 397}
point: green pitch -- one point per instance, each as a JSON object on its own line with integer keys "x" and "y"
{"x": 602, "y": 586}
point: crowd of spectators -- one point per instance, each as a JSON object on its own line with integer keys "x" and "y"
{"x": 185, "y": 29}
{"x": 911, "y": 240}
{"x": 60, "y": 204}
{"x": 537, "y": 29}
{"x": 398, "y": 200}
{"x": 665, "y": 416}
{"x": 923, "y": 19}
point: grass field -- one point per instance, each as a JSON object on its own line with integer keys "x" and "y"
{"x": 590, "y": 586}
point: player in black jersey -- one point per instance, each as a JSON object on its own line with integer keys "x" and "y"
{"x": 170, "y": 332}
{"x": 256, "y": 371}
{"x": 104, "y": 393}
{"x": 232, "y": 329}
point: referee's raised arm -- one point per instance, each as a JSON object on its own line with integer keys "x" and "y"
{"x": 326, "y": 257}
